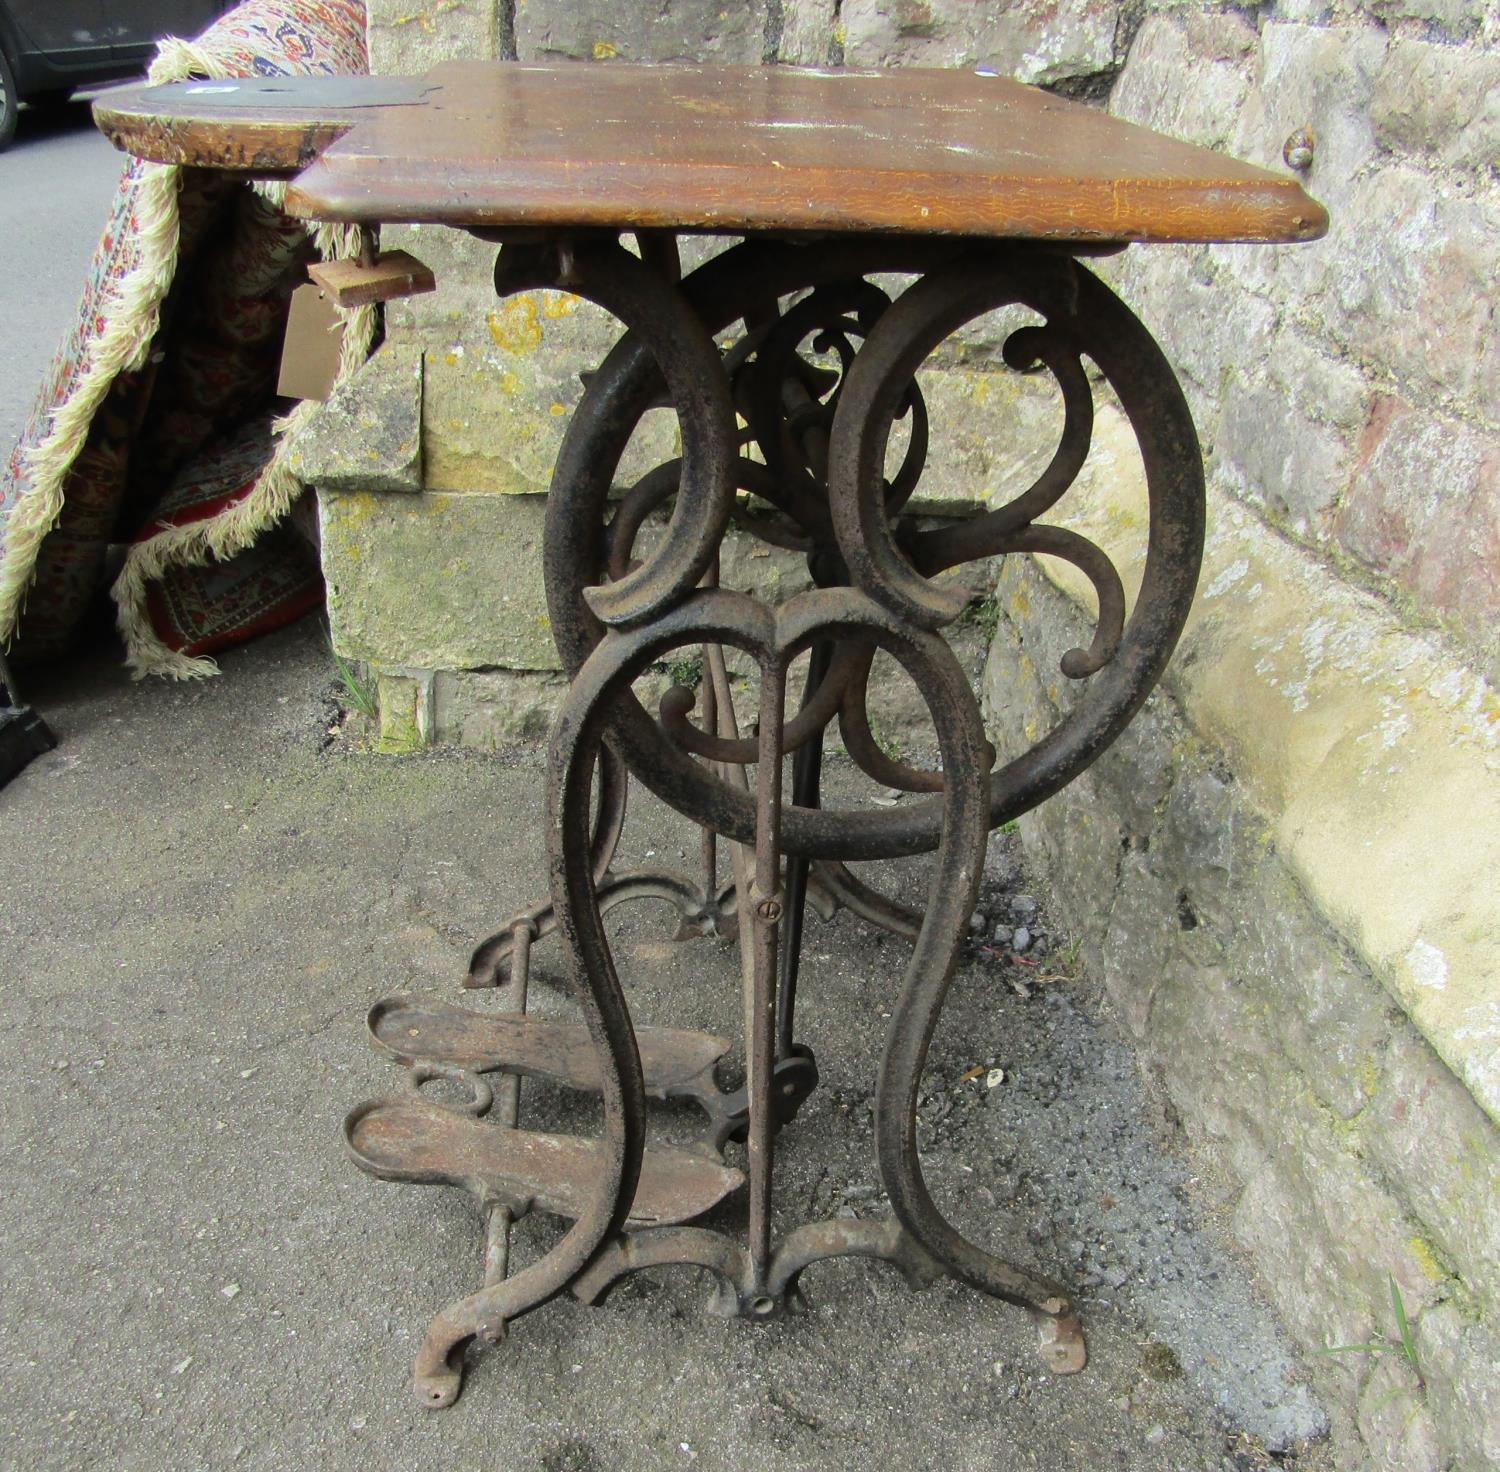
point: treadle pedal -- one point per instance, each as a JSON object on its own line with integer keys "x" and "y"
{"x": 675, "y": 1062}
{"x": 414, "y": 1141}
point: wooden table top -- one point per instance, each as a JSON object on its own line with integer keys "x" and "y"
{"x": 702, "y": 148}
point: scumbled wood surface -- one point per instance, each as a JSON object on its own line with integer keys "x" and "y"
{"x": 254, "y": 125}
{"x": 738, "y": 149}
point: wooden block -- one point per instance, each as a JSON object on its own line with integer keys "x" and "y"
{"x": 395, "y": 273}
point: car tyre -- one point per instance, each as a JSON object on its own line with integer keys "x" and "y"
{"x": 10, "y": 101}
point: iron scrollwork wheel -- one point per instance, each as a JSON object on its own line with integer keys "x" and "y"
{"x": 818, "y": 484}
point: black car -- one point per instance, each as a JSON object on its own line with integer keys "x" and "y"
{"x": 50, "y": 47}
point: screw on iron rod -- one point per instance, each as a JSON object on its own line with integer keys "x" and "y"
{"x": 769, "y": 911}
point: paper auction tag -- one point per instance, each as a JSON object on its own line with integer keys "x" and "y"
{"x": 314, "y": 340}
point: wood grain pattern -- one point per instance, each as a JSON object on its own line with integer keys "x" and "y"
{"x": 396, "y": 273}
{"x": 738, "y": 149}
{"x": 264, "y": 126}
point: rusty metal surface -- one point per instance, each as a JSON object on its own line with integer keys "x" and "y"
{"x": 699, "y": 914}
{"x": 1085, "y": 320}
{"x": 673, "y": 1062}
{"x": 821, "y": 366}
{"x": 738, "y": 1288}
{"x": 422, "y": 1143}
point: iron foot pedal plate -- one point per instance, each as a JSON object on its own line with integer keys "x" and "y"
{"x": 676, "y": 1063}
{"x": 412, "y": 1140}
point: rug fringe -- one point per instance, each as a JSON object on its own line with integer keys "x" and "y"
{"x": 219, "y": 537}
{"x": 121, "y": 348}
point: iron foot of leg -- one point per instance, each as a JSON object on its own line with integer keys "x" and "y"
{"x": 438, "y": 1376}
{"x": 1061, "y": 1343}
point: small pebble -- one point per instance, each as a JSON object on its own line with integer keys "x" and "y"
{"x": 1020, "y": 942}
{"x": 182, "y": 1365}
{"x": 994, "y": 1078}
{"x": 1003, "y": 934}
{"x": 1157, "y": 1433}
{"x": 977, "y": 921}
{"x": 230, "y": 1290}
{"x": 1023, "y": 904}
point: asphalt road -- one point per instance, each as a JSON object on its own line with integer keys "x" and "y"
{"x": 56, "y": 181}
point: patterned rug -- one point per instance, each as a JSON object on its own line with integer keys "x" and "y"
{"x": 156, "y": 430}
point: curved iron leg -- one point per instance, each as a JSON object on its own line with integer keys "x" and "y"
{"x": 807, "y": 769}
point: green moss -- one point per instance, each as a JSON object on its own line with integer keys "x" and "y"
{"x": 400, "y": 730}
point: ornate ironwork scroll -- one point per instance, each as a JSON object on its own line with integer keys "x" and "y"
{"x": 786, "y": 433}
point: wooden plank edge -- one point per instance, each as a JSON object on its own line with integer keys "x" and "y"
{"x": 249, "y": 146}
{"x": 1263, "y": 211}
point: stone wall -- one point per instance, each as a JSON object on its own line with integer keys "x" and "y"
{"x": 1285, "y": 872}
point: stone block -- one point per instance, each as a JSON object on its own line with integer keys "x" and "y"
{"x": 1018, "y": 709}
{"x": 1463, "y": 1358}
{"x": 1439, "y": 101}
{"x": 493, "y": 710}
{"x": 1414, "y": 294}
{"x": 1459, "y": 20}
{"x": 992, "y": 432}
{"x": 1395, "y": 1420}
{"x": 1350, "y": 732}
{"x": 465, "y": 272}
{"x": 1424, "y": 511}
{"x": 504, "y": 374}
{"x": 672, "y": 30}
{"x": 406, "y": 38}
{"x": 1290, "y": 426}
{"x": 810, "y": 33}
{"x": 437, "y": 581}
{"x": 1187, "y": 74}
{"x": 1208, "y": 936}
{"x": 1420, "y": 1127}
{"x": 1207, "y": 323}
{"x": 368, "y": 435}
{"x": 1320, "y": 79}
{"x": 1043, "y": 41}
{"x": 1305, "y": 12}
{"x": 499, "y": 392}
{"x": 404, "y": 711}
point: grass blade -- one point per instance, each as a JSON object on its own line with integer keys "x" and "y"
{"x": 1408, "y": 1344}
